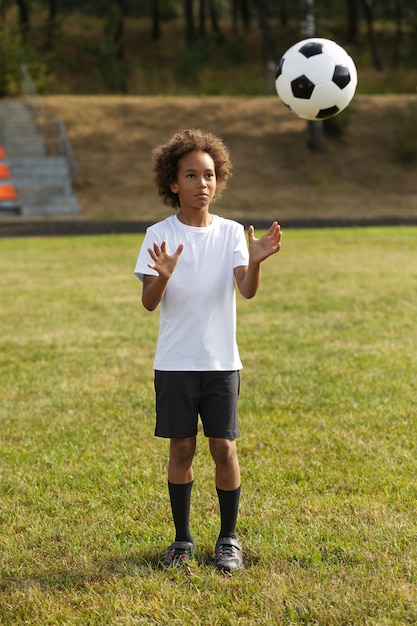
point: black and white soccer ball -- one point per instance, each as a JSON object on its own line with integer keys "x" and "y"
{"x": 316, "y": 79}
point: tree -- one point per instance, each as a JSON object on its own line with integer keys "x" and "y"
{"x": 212, "y": 9}
{"x": 214, "y": 18}
{"x": 111, "y": 53}
{"x": 52, "y": 25}
{"x": 352, "y": 21}
{"x": 118, "y": 33}
{"x": 53, "y": 10}
{"x": 241, "y": 9}
{"x": 307, "y": 18}
{"x": 24, "y": 17}
{"x": 269, "y": 47}
{"x": 202, "y": 18}
{"x": 156, "y": 20}
{"x": 283, "y": 12}
{"x": 189, "y": 22}
{"x": 315, "y": 131}
{"x": 398, "y": 12}
{"x": 369, "y": 18}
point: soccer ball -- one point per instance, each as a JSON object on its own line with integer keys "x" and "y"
{"x": 316, "y": 79}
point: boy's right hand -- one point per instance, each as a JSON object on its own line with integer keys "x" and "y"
{"x": 164, "y": 263}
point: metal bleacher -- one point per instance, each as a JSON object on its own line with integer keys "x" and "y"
{"x": 39, "y": 164}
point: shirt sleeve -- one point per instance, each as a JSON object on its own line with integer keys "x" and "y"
{"x": 144, "y": 257}
{"x": 240, "y": 253}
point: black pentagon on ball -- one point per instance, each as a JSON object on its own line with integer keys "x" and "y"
{"x": 311, "y": 48}
{"x": 325, "y": 113}
{"x": 302, "y": 87}
{"x": 341, "y": 76}
{"x": 279, "y": 68}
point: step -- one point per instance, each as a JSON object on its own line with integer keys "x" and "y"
{"x": 10, "y": 208}
{"x": 33, "y": 165}
{"x": 43, "y": 183}
{"x": 48, "y": 204}
{"x": 20, "y": 134}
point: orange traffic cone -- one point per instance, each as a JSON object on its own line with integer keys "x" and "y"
{"x": 7, "y": 193}
{"x": 4, "y": 171}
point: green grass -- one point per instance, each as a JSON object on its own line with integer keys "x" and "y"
{"x": 328, "y": 420}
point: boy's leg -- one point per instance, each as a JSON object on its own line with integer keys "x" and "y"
{"x": 177, "y": 402}
{"x": 180, "y": 483}
{"x": 224, "y": 454}
{"x": 228, "y": 549}
{"x": 181, "y": 455}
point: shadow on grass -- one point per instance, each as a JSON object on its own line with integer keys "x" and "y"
{"x": 133, "y": 565}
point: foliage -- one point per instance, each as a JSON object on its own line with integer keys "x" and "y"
{"x": 11, "y": 53}
{"x": 327, "y": 449}
{"x": 110, "y": 53}
{"x": 199, "y": 66}
{"x": 241, "y": 39}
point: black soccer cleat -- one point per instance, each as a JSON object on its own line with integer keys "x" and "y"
{"x": 228, "y": 555}
{"x": 179, "y": 553}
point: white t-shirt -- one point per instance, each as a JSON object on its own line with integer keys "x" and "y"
{"x": 197, "y": 329}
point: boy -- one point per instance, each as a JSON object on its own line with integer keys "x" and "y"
{"x": 189, "y": 264}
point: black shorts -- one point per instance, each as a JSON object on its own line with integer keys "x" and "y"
{"x": 182, "y": 396}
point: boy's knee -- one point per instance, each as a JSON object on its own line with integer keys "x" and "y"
{"x": 182, "y": 450}
{"x": 223, "y": 450}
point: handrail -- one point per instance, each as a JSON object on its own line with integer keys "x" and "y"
{"x": 44, "y": 122}
{"x": 64, "y": 147}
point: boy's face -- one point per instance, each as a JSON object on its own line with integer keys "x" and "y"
{"x": 196, "y": 181}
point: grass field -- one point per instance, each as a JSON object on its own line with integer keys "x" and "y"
{"x": 329, "y": 433}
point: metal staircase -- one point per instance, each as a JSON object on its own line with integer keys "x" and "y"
{"x": 42, "y": 176}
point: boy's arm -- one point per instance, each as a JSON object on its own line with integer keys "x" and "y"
{"x": 248, "y": 278}
{"x": 153, "y": 291}
{"x": 154, "y": 286}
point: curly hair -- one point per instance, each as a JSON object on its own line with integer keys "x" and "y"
{"x": 165, "y": 159}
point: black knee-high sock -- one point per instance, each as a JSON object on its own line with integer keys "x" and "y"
{"x": 229, "y": 508}
{"x": 180, "y": 497}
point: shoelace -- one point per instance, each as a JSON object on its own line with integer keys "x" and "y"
{"x": 178, "y": 554}
{"x": 227, "y": 551}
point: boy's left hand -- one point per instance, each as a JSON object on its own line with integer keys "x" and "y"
{"x": 260, "y": 249}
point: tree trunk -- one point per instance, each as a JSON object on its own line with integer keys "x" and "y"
{"x": 283, "y": 12}
{"x": 245, "y": 13}
{"x": 112, "y": 54}
{"x": 202, "y": 18}
{"x": 24, "y": 17}
{"x": 189, "y": 23}
{"x": 352, "y": 21}
{"x": 369, "y": 17}
{"x": 235, "y": 15}
{"x": 214, "y": 18}
{"x": 156, "y": 21}
{"x": 53, "y": 10}
{"x": 398, "y": 34}
{"x": 118, "y": 37}
{"x": 240, "y": 10}
{"x": 315, "y": 130}
{"x": 307, "y": 18}
{"x": 51, "y": 25}
{"x": 269, "y": 48}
